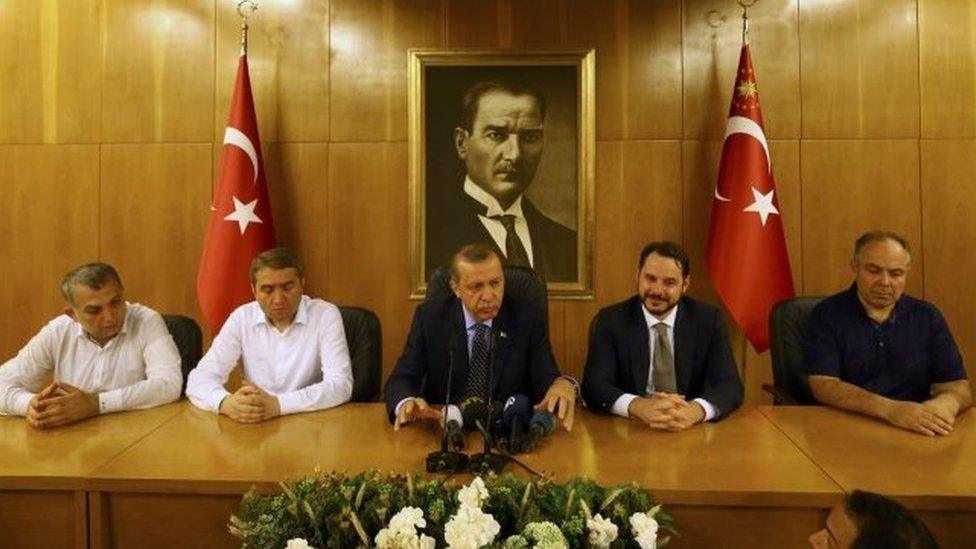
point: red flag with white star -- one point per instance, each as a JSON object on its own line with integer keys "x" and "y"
{"x": 240, "y": 220}
{"x": 747, "y": 255}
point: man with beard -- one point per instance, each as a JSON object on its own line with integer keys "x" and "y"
{"x": 662, "y": 357}
{"x": 873, "y": 350}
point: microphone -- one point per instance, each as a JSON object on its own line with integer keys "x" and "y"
{"x": 516, "y": 417}
{"x": 488, "y": 462}
{"x": 518, "y": 409}
{"x": 449, "y": 459}
{"x": 542, "y": 424}
{"x": 453, "y": 423}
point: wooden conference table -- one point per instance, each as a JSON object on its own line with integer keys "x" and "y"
{"x": 171, "y": 476}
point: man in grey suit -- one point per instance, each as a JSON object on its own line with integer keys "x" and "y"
{"x": 662, "y": 357}
{"x": 500, "y": 140}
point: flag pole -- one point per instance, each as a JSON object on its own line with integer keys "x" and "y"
{"x": 746, "y": 4}
{"x": 245, "y": 8}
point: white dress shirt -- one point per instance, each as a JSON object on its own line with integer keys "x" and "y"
{"x": 307, "y": 366}
{"x": 623, "y": 402}
{"x": 138, "y": 368}
{"x": 494, "y": 226}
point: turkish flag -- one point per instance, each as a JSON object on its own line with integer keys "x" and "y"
{"x": 747, "y": 254}
{"x": 240, "y": 224}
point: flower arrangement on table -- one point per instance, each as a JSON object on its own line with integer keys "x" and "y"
{"x": 327, "y": 510}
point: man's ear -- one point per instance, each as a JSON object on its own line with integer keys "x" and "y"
{"x": 455, "y": 288}
{"x": 686, "y": 284}
{"x": 70, "y": 311}
{"x": 461, "y": 142}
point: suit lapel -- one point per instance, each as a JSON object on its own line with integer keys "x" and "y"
{"x": 683, "y": 346}
{"x": 462, "y": 361}
{"x": 504, "y": 326}
{"x": 640, "y": 348}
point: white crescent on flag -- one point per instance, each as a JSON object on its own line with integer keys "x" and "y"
{"x": 741, "y": 124}
{"x": 235, "y": 137}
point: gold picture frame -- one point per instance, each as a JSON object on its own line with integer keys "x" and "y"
{"x": 557, "y": 177}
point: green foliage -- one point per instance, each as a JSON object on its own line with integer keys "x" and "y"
{"x": 334, "y": 510}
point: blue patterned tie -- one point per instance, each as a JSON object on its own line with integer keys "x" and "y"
{"x": 478, "y": 378}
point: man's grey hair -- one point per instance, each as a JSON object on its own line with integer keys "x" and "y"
{"x": 470, "y": 253}
{"x": 277, "y": 258}
{"x": 91, "y": 275}
{"x": 871, "y": 237}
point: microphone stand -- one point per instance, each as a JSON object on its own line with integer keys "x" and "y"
{"x": 487, "y": 461}
{"x": 447, "y": 460}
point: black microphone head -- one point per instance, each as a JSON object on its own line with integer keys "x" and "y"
{"x": 518, "y": 408}
{"x": 543, "y": 424}
{"x": 473, "y": 409}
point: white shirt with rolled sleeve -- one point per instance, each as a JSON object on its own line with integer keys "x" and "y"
{"x": 306, "y": 367}
{"x": 138, "y": 368}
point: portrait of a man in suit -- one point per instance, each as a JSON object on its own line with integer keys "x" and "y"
{"x": 500, "y": 141}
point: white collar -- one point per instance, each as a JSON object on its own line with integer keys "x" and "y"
{"x": 653, "y": 320}
{"x": 469, "y": 319}
{"x": 494, "y": 208}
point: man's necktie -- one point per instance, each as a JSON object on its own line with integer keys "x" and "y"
{"x": 478, "y": 378}
{"x": 663, "y": 361}
{"x": 515, "y": 253}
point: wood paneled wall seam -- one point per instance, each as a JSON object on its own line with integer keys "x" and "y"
{"x": 112, "y": 114}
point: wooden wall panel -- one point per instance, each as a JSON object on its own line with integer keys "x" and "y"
{"x": 859, "y": 67}
{"x": 48, "y": 225}
{"x": 369, "y": 41}
{"x": 158, "y": 80}
{"x": 835, "y": 211}
{"x": 536, "y": 23}
{"x": 50, "y": 54}
{"x": 288, "y": 59}
{"x": 298, "y": 179}
{"x": 948, "y": 227}
{"x": 639, "y": 187}
{"x": 711, "y": 56}
{"x": 155, "y": 203}
{"x": 367, "y": 221}
{"x": 947, "y": 53}
{"x": 638, "y": 69}
{"x": 476, "y": 24}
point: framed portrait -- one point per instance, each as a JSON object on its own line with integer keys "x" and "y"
{"x": 501, "y": 152}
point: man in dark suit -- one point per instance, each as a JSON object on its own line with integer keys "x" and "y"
{"x": 500, "y": 140}
{"x": 660, "y": 356}
{"x": 463, "y": 325}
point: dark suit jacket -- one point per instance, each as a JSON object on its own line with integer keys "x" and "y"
{"x": 454, "y": 223}
{"x": 619, "y": 358}
{"x": 523, "y": 363}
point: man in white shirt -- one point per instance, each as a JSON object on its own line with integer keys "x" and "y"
{"x": 293, "y": 348}
{"x": 105, "y": 356}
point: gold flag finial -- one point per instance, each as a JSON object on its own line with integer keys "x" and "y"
{"x": 245, "y": 8}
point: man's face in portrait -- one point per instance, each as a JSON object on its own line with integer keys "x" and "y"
{"x": 501, "y": 151}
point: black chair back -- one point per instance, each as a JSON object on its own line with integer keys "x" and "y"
{"x": 365, "y": 341}
{"x": 521, "y": 282}
{"x": 788, "y": 329}
{"x": 189, "y": 341}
